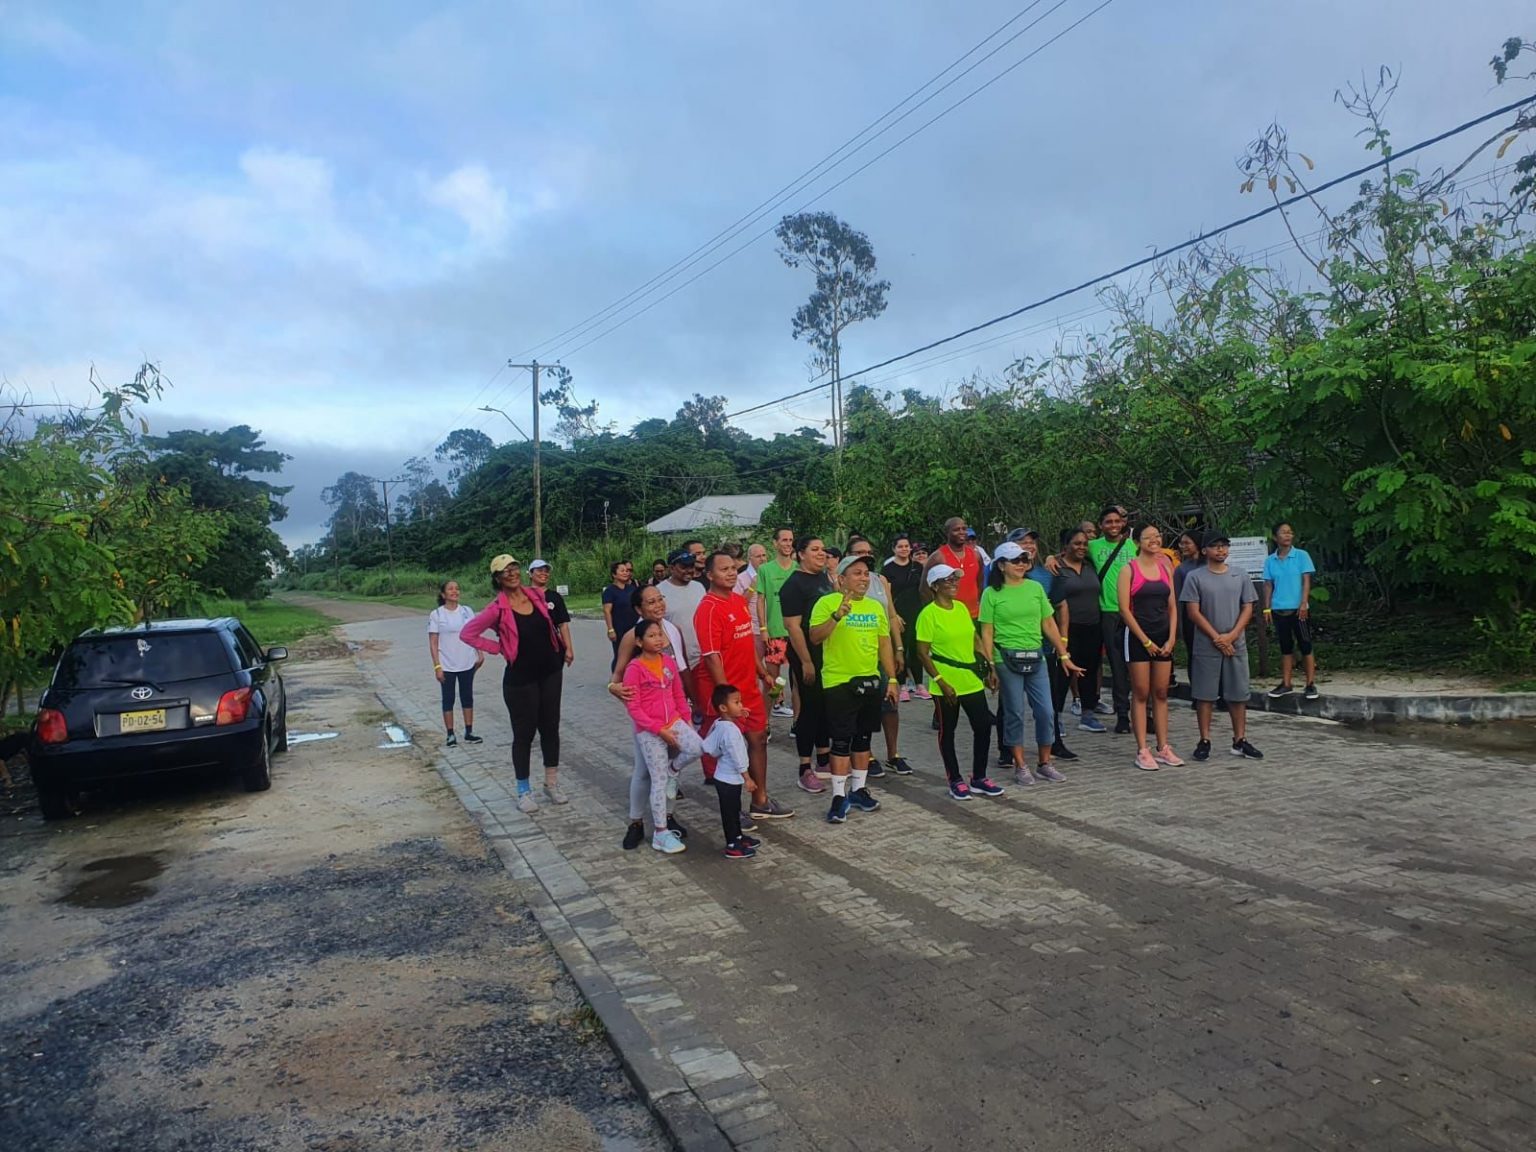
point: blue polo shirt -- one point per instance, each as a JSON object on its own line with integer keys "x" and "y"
{"x": 1284, "y": 578}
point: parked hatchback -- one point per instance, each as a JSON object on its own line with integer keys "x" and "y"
{"x": 166, "y": 696}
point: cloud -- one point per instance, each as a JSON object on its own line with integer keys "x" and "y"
{"x": 470, "y": 193}
{"x": 291, "y": 182}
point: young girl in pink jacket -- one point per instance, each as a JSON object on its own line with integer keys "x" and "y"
{"x": 660, "y": 710}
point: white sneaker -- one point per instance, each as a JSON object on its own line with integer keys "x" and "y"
{"x": 1103, "y": 709}
{"x": 669, "y": 842}
{"x": 1077, "y": 707}
{"x": 556, "y": 796}
{"x": 526, "y": 802}
{"x": 783, "y": 710}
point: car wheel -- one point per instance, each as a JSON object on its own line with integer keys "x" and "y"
{"x": 58, "y": 801}
{"x": 257, "y": 777}
{"x": 282, "y": 728}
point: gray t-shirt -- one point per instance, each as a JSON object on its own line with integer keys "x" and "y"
{"x": 1221, "y": 596}
{"x": 683, "y": 601}
{"x": 1081, "y": 592}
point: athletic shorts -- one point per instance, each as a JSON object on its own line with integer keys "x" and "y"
{"x": 1293, "y": 633}
{"x": 1213, "y": 676}
{"x": 1136, "y": 652}
{"x": 776, "y": 651}
{"x": 756, "y": 719}
{"x": 852, "y": 713}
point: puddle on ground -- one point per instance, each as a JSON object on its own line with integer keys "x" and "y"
{"x": 1514, "y": 739}
{"x": 308, "y": 737}
{"x": 118, "y": 881}
{"x": 398, "y": 738}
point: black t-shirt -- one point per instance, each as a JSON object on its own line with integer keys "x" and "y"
{"x": 558, "y": 613}
{"x": 537, "y": 654}
{"x": 906, "y": 583}
{"x": 624, "y": 615}
{"x": 799, "y": 594}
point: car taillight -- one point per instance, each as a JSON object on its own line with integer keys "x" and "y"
{"x": 51, "y": 727}
{"x": 234, "y": 706}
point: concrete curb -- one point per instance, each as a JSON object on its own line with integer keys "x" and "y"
{"x": 702, "y": 1094}
{"x": 1438, "y": 708}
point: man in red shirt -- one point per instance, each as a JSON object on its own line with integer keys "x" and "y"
{"x": 960, "y": 554}
{"x": 728, "y": 655}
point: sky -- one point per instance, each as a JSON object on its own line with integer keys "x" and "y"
{"x": 338, "y": 222}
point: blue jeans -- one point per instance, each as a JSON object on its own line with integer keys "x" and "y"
{"x": 1037, "y": 686}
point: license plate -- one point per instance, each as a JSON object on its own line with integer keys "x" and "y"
{"x": 152, "y": 720}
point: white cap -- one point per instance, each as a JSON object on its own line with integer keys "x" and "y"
{"x": 1008, "y": 550}
{"x": 538, "y": 564}
{"x": 941, "y": 572}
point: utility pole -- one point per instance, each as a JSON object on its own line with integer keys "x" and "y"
{"x": 538, "y": 487}
{"x": 389, "y": 542}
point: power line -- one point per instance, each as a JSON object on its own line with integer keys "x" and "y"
{"x": 1163, "y": 254}
{"x": 832, "y": 188}
{"x": 830, "y": 160}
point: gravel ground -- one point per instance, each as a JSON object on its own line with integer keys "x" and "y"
{"x": 338, "y": 964}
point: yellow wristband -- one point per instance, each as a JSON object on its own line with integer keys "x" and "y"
{"x": 437, "y": 667}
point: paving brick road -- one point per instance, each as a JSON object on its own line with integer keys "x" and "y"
{"x": 1334, "y": 948}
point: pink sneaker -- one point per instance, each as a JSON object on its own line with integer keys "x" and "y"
{"x": 810, "y": 782}
{"x": 1145, "y": 762}
{"x": 1166, "y": 755}
{"x": 922, "y": 693}
{"x": 905, "y": 696}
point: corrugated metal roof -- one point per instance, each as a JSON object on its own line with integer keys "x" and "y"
{"x": 741, "y": 511}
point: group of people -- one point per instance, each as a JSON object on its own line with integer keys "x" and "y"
{"x": 714, "y": 643}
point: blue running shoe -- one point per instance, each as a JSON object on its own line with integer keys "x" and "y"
{"x": 838, "y": 813}
{"x": 864, "y": 800}
{"x": 1090, "y": 723}
{"x": 986, "y": 787}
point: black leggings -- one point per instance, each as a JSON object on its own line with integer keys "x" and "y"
{"x": 811, "y": 728}
{"x": 730, "y": 810}
{"x": 1084, "y": 645}
{"x": 533, "y": 707}
{"x": 913, "y": 669}
{"x": 976, "y": 711}
{"x": 465, "y": 683}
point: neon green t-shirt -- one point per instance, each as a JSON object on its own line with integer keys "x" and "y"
{"x": 951, "y": 633}
{"x": 1015, "y": 612}
{"x": 853, "y": 649}
{"x": 770, "y": 582}
{"x": 1109, "y": 587}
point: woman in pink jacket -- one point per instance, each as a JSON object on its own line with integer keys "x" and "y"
{"x": 530, "y": 685}
{"x": 660, "y": 709}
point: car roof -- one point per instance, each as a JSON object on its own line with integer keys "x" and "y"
{"x": 162, "y": 627}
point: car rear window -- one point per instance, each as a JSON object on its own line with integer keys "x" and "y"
{"x": 143, "y": 659}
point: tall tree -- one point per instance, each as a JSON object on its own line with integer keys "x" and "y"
{"x": 846, "y": 290}
{"x": 356, "y": 507}
{"x": 219, "y": 471}
{"x": 465, "y": 449}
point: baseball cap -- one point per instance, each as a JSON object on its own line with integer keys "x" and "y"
{"x": 848, "y": 562}
{"x": 941, "y": 572}
{"x": 1214, "y": 536}
{"x": 538, "y": 564}
{"x": 681, "y": 556}
{"x": 1008, "y": 550}
{"x": 505, "y": 560}
{"x": 1018, "y": 534}
{"x": 970, "y": 533}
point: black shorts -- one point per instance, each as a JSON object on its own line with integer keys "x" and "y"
{"x": 1293, "y": 632}
{"x": 851, "y": 713}
{"x": 1136, "y": 652}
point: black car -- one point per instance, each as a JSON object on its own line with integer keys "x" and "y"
{"x": 158, "y": 697}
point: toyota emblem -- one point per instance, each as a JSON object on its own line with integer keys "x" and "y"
{"x": 142, "y": 693}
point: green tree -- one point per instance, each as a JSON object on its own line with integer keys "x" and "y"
{"x": 846, "y": 290}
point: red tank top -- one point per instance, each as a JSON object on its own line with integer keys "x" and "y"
{"x": 968, "y": 591}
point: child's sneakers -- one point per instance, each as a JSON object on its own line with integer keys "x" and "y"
{"x": 669, "y": 842}
{"x": 739, "y": 850}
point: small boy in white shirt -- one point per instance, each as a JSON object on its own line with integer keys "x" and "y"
{"x": 726, "y": 743}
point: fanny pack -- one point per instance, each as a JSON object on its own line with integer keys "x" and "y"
{"x": 1020, "y": 661}
{"x": 863, "y": 684}
{"x": 979, "y": 666}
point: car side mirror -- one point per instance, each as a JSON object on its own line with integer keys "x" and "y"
{"x": 276, "y": 654}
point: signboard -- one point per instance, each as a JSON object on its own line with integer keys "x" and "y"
{"x": 1247, "y": 554}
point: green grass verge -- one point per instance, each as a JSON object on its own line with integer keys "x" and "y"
{"x": 271, "y": 621}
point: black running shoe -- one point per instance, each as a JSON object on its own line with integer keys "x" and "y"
{"x": 1203, "y": 750}
{"x": 1123, "y": 726}
{"x": 471, "y": 738}
{"x": 634, "y": 835}
{"x": 899, "y": 765}
{"x": 1246, "y": 750}
{"x": 674, "y": 826}
{"x": 453, "y": 741}
{"x": 876, "y": 769}
{"x": 1062, "y": 752}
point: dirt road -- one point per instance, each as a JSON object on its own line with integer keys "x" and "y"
{"x": 351, "y": 611}
{"x": 339, "y": 964}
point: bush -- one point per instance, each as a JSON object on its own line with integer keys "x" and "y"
{"x": 1507, "y": 645}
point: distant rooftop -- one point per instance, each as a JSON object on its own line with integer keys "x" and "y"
{"x": 740, "y": 511}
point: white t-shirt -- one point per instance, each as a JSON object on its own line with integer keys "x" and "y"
{"x": 745, "y": 579}
{"x": 682, "y": 602}
{"x": 452, "y": 653}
